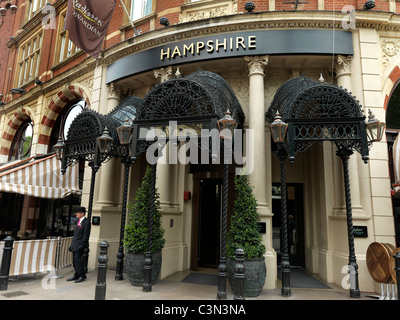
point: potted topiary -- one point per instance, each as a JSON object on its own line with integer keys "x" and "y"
{"x": 136, "y": 231}
{"x": 244, "y": 233}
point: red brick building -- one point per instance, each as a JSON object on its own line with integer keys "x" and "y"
{"x": 349, "y": 45}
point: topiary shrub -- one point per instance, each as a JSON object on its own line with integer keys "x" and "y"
{"x": 244, "y": 230}
{"x": 136, "y": 230}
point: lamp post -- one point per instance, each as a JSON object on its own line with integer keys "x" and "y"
{"x": 279, "y": 130}
{"x": 103, "y": 146}
{"x": 226, "y": 127}
{"x": 125, "y": 137}
{"x": 344, "y": 154}
{"x": 375, "y": 130}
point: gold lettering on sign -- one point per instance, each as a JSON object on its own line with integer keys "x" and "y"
{"x": 210, "y": 46}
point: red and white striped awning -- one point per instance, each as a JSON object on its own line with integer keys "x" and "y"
{"x": 39, "y": 178}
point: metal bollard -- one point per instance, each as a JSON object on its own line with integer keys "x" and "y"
{"x": 239, "y": 274}
{"x": 102, "y": 272}
{"x": 6, "y": 263}
{"x": 397, "y": 268}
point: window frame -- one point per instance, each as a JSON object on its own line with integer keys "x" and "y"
{"x": 32, "y": 11}
{"x": 28, "y": 63}
{"x": 65, "y": 48}
{"x": 16, "y": 153}
{"x": 143, "y": 8}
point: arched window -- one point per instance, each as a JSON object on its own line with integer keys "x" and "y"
{"x": 64, "y": 121}
{"x": 21, "y": 146}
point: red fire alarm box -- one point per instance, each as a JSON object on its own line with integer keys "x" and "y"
{"x": 186, "y": 195}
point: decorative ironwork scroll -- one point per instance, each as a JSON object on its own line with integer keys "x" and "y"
{"x": 318, "y": 112}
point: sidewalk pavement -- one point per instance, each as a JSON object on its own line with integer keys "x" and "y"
{"x": 41, "y": 287}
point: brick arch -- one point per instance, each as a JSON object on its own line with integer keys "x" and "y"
{"x": 390, "y": 85}
{"x": 16, "y": 119}
{"x": 61, "y": 99}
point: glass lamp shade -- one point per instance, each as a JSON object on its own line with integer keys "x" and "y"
{"x": 125, "y": 133}
{"x": 278, "y": 129}
{"x": 227, "y": 123}
{"x": 375, "y": 128}
{"x": 104, "y": 142}
{"x": 59, "y": 149}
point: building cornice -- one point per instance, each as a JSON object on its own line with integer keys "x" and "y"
{"x": 382, "y": 21}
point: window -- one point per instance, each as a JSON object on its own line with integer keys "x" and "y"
{"x": 65, "y": 47}
{"x": 140, "y": 8}
{"x": 64, "y": 120}
{"x": 28, "y": 60}
{"x": 69, "y": 116}
{"x": 34, "y": 7}
{"x": 21, "y": 146}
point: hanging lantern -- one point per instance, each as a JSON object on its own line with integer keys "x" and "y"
{"x": 104, "y": 142}
{"x": 227, "y": 123}
{"x": 375, "y": 128}
{"x": 59, "y": 148}
{"x": 125, "y": 133}
{"x": 278, "y": 129}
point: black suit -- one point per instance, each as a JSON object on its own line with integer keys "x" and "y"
{"x": 80, "y": 241}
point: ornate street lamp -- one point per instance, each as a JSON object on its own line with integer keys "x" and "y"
{"x": 125, "y": 137}
{"x": 59, "y": 148}
{"x": 375, "y": 128}
{"x": 226, "y": 126}
{"x": 104, "y": 142}
{"x": 279, "y": 130}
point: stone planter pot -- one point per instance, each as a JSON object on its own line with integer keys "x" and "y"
{"x": 254, "y": 276}
{"x": 135, "y": 268}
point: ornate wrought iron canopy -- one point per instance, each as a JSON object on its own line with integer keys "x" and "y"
{"x": 89, "y": 125}
{"x": 197, "y": 100}
{"x": 318, "y": 112}
{"x": 202, "y": 94}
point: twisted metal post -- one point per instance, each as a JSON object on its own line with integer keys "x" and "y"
{"x": 95, "y": 167}
{"x": 344, "y": 155}
{"x": 120, "y": 255}
{"x": 285, "y": 264}
{"x": 222, "y": 268}
{"x": 148, "y": 261}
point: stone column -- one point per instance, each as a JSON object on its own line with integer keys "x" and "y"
{"x": 166, "y": 177}
{"x": 260, "y": 178}
{"x": 107, "y": 170}
{"x": 343, "y": 76}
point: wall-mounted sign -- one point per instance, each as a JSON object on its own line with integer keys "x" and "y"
{"x": 262, "y": 226}
{"x": 95, "y": 220}
{"x": 228, "y": 45}
{"x": 360, "y": 231}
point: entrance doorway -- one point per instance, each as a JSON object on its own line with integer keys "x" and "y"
{"x": 210, "y": 203}
{"x": 295, "y": 212}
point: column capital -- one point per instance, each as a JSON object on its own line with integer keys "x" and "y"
{"x": 113, "y": 91}
{"x": 256, "y": 64}
{"x": 163, "y": 73}
{"x": 343, "y": 65}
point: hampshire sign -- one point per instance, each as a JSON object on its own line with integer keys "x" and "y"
{"x": 229, "y": 45}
